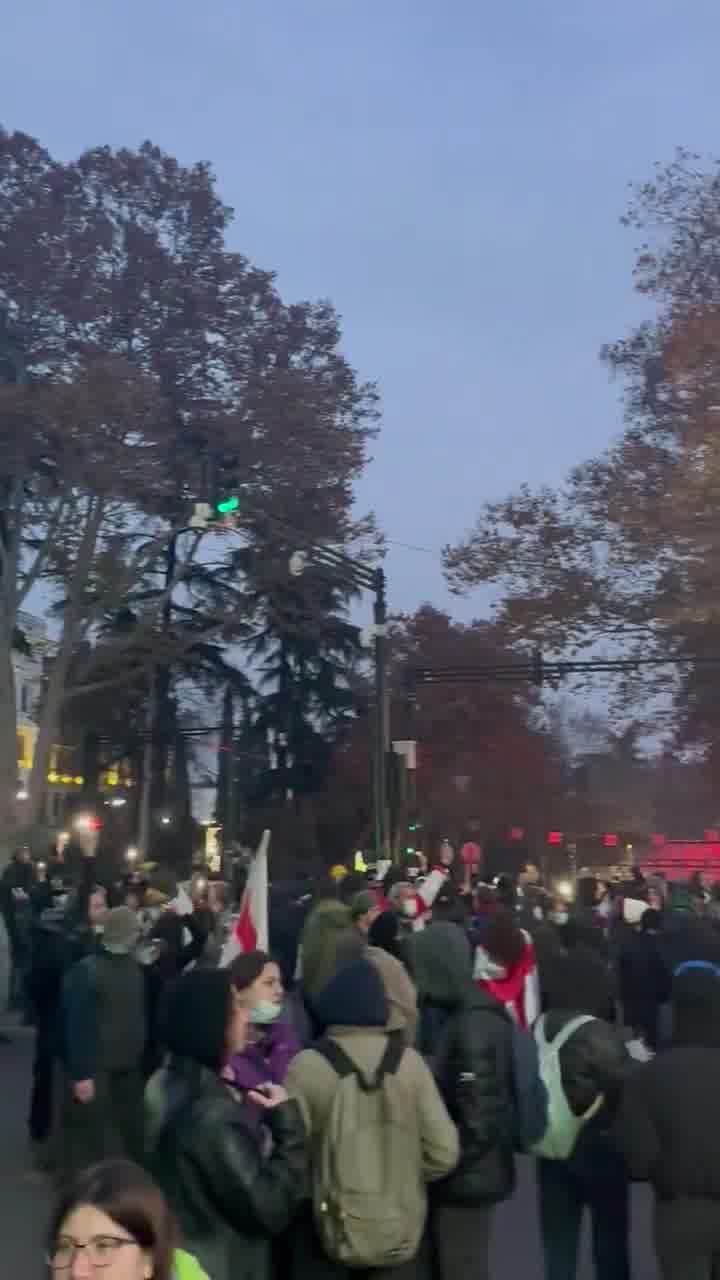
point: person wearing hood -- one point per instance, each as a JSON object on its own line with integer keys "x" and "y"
{"x": 666, "y": 1126}
{"x": 353, "y": 1011}
{"x": 231, "y": 1198}
{"x": 103, "y": 1039}
{"x": 327, "y": 924}
{"x": 400, "y": 994}
{"x": 469, "y": 1038}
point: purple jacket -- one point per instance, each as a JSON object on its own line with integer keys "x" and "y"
{"x": 267, "y": 1060}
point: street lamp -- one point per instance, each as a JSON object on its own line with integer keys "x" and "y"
{"x": 354, "y": 574}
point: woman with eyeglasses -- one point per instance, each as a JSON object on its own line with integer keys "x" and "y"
{"x": 114, "y": 1223}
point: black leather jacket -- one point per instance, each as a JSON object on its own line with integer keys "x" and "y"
{"x": 229, "y": 1198}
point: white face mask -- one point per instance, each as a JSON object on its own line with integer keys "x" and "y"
{"x": 410, "y": 907}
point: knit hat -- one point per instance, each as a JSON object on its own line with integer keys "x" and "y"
{"x": 121, "y": 931}
{"x": 361, "y": 904}
{"x": 195, "y": 1014}
{"x": 355, "y": 997}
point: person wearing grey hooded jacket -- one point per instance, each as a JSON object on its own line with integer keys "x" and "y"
{"x": 487, "y": 1071}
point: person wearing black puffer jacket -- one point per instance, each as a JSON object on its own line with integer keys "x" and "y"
{"x": 667, "y": 1126}
{"x": 487, "y": 1071}
{"x": 593, "y": 1062}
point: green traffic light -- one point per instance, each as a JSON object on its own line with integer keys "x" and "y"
{"x": 409, "y": 849}
{"x": 228, "y": 505}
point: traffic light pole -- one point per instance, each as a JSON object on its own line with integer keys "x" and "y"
{"x": 382, "y": 727}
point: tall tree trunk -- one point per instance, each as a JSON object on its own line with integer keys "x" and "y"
{"x": 8, "y": 750}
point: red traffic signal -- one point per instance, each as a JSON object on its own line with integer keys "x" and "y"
{"x": 517, "y": 833}
{"x": 610, "y": 840}
{"x": 554, "y": 837}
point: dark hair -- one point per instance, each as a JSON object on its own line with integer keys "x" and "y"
{"x": 247, "y": 967}
{"x": 503, "y": 940}
{"x": 129, "y": 1196}
{"x": 195, "y": 1016}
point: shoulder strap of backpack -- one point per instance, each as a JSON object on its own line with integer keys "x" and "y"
{"x": 336, "y": 1058}
{"x": 569, "y": 1030}
{"x": 391, "y": 1058}
{"x": 343, "y": 1066}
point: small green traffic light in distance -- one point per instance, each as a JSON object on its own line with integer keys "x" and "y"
{"x": 227, "y": 505}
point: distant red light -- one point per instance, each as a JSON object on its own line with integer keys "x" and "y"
{"x": 95, "y": 824}
{"x": 517, "y": 833}
{"x": 554, "y": 837}
{"x": 610, "y": 841}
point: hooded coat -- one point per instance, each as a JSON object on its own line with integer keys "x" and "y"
{"x": 468, "y": 1036}
{"x": 666, "y": 1124}
{"x": 325, "y": 929}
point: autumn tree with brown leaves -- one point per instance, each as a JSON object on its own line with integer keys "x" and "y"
{"x": 144, "y": 367}
{"x": 627, "y": 550}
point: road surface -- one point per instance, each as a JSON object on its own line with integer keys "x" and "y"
{"x": 25, "y": 1197}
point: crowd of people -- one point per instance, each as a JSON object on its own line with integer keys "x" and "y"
{"x": 356, "y": 1098}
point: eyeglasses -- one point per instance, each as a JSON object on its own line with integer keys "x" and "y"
{"x": 101, "y": 1251}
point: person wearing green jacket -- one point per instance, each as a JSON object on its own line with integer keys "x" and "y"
{"x": 115, "y": 1218}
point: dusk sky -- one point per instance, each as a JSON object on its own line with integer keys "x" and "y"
{"x": 450, "y": 173}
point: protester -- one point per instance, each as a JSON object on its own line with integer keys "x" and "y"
{"x": 468, "y": 1037}
{"x": 594, "y": 1064}
{"x": 364, "y": 911}
{"x": 644, "y": 981}
{"x": 16, "y": 887}
{"x": 385, "y": 934}
{"x": 389, "y": 1160}
{"x": 505, "y": 966}
{"x": 113, "y": 1220}
{"x": 230, "y": 1198}
{"x": 327, "y": 923}
{"x": 175, "y": 943}
{"x": 400, "y": 994}
{"x": 574, "y": 975}
{"x": 271, "y": 1042}
{"x": 101, "y": 1049}
{"x": 59, "y": 939}
{"x": 666, "y": 1128}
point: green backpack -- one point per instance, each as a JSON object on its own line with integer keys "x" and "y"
{"x": 563, "y": 1127}
{"x": 369, "y": 1196}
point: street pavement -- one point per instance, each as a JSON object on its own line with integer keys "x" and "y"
{"x": 26, "y": 1197}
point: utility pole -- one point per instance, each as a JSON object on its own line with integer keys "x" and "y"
{"x": 382, "y": 717}
{"x": 153, "y": 778}
{"x": 354, "y": 574}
